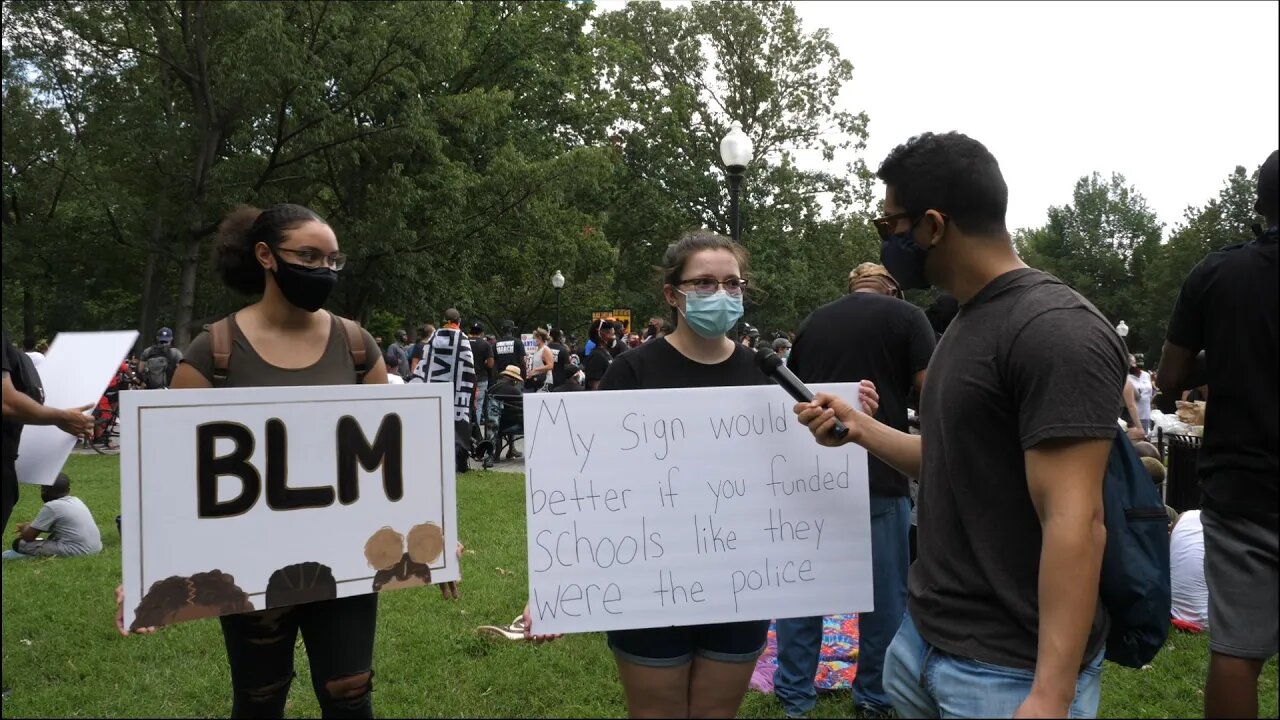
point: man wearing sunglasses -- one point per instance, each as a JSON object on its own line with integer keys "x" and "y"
{"x": 1017, "y": 419}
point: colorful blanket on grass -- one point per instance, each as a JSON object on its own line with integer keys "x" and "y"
{"x": 837, "y": 666}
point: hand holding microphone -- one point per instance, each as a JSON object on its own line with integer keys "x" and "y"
{"x": 828, "y": 417}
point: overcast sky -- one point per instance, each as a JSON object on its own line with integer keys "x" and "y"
{"x": 1173, "y": 95}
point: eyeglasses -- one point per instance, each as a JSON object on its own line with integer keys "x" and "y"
{"x": 709, "y": 286}
{"x": 314, "y": 258}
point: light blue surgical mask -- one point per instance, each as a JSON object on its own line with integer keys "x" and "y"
{"x": 711, "y": 316}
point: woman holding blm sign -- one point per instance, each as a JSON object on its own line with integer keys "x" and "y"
{"x": 699, "y": 670}
{"x": 290, "y": 256}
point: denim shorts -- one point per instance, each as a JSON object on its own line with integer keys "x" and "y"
{"x": 738, "y": 642}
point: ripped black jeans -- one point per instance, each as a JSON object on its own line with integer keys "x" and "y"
{"x": 339, "y": 639}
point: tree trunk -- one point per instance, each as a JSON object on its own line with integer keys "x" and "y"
{"x": 189, "y": 265}
{"x": 150, "y": 301}
{"x": 28, "y": 311}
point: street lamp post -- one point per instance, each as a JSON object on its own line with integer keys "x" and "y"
{"x": 735, "y": 152}
{"x": 557, "y": 282}
{"x": 1123, "y": 331}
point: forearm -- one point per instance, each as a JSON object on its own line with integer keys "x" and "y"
{"x": 898, "y": 449}
{"x": 21, "y": 408}
{"x": 1070, "y": 562}
{"x": 1133, "y": 414}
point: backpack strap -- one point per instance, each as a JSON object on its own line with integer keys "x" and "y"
{"x": 220, "y": 344}
{"x": 355, "y": 342}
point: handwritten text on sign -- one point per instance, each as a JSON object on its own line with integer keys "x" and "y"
{"x": 654, "y": 508}
{"x": 241, "y": 499}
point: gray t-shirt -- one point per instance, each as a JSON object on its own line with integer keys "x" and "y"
{"x": 1025, "y": 361}
{"x": 68, "y": 521}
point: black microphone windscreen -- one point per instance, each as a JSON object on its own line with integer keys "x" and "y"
{"x": 767, "y": 359}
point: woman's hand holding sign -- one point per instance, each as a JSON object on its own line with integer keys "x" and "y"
{"x": 120, "y": 617}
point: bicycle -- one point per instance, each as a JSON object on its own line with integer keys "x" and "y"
{"x": 106, "y": 428}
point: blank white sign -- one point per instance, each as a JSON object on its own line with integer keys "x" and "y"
{"x": 76, "y": 372}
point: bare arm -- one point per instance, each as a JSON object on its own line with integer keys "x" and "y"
{"x": 1177, "y": 366}
{"x": 899, "y": 449}
{"x": 1131, "y": 403}
{"x": 26, "y": 533}
{"x": 188, "y": 378}
{"x": 377, "y": 375}
{"x": 1064, "y": 479}
{"x": 19, "y": 407}
{"x": 546, "y": 363}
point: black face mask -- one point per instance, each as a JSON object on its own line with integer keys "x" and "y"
{"x": 304, "y": 287}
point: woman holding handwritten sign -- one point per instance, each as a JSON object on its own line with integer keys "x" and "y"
{"x": 289, "y": 256}
{"x": 697, "y": 670}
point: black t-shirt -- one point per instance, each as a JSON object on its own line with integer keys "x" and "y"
{"x": 482, "y": 351}
{"x": 598, "y": 363}
{"x": 866, "y": 336}
{"x": 562, "y": 370}
{"x": 1025, "y": 361}
{"x": 418, "y": 352}
{"x": 1228, "y": 307}
{"x": 657, "y": 365}
{"x": 10, "y": 432}
{"x": 509, "y": 351}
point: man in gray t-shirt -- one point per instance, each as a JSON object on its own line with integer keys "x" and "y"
{"x": 65, "y": 522}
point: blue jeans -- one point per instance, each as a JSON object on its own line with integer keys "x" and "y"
{"x": 482, "y": 396}
{"x": 925, "y": 682}
{"x": 800, "y": 639}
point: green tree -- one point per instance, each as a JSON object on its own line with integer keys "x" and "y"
{"x": 1224, "y": 220}
{"x": 676, "y": 78}
{"x": 1093, "y": 243}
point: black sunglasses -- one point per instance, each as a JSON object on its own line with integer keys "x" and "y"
{"x": 884, "y": 225}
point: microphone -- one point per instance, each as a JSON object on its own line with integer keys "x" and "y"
{"x": 771, "y": 365}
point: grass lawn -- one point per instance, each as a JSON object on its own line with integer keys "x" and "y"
{"x": 63, "y": 657}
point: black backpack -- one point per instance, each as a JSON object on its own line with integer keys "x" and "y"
{"x": 24, "y": 376}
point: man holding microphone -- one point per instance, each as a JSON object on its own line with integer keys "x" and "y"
{"x": 1018, "y": 416}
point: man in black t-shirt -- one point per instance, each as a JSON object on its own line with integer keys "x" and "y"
{"x": 1018, "y": 418}
{"x": 509, "y": 350}
{"x": 20, "y": 409}
{"x": 872, "y": 334}
{"x": 419, "y": 350}
{"x": 1229, "y": 308}
{"x": 482, "y": 351}
{"x": 603, "y": 334}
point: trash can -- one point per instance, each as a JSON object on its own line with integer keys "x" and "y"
{"x": 1183, "y": 491}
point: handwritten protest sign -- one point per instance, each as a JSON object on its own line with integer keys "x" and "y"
{"x": 656, "y": 508}
{"x": 242, "y": 499}
{"x": 75, "y": 373}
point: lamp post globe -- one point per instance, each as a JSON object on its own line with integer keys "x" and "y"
{"x": 557, "y": 282}
{"x": 1122, "y": 330}
{"x": 735, "y": 153}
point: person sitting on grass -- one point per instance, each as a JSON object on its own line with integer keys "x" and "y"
{"x": 65, "y": 522}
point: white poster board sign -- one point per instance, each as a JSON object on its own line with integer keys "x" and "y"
{"x": 654, "y": 508}
{"x": 76, "y": 372}
{"x": 238, "y": 499}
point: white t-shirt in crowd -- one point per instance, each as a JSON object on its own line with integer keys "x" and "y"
{"x": 1143, "y": 391}
{"x": 36, "y": 358}
{"x": 393, "y": 378}
{"x": 1186, "y": 570}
